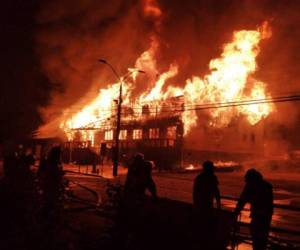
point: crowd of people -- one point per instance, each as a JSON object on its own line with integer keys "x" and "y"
{"x": 257, "y": 191}
{"x": 20, "y": 188}
{"x": 32, "y": 199}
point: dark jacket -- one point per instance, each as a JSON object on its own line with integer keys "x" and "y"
{"x": 139, "y": 179}
{"x": 260, "y": 196}
{"x": 205, "y": 190}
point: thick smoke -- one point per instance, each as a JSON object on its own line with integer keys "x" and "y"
{"x": 73, "y": 36}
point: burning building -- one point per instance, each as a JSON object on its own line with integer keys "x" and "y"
{"x": 217, "y": 114}
{"x": 207, "y": 115}
{"x": 159, "y": 136}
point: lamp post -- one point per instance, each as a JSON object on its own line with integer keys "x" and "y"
{"x": 119, "y": 109}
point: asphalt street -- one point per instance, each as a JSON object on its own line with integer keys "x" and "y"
{"x": 178, "y": 186}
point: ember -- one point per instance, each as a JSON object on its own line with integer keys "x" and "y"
{"x": 190, "y": 167}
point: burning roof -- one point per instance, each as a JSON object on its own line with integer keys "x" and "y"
{"x": 230, "y": 79}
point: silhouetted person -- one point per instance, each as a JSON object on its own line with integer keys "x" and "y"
{"x": 18, "y": 193}
{"x": 29, "y": 157}
{"x": 139, "y": 179}
{"x": 206, "y": 189}
{"x": 259, "y": 194}
{"x": 51, "y": 180}
{"x": 26, "y": 162}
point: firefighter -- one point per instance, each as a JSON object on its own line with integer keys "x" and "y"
{"x": 259, "y": 193}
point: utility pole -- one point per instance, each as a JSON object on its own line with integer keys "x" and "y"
{"x": 119, "y": 109}
{"x": 118, "y": 127}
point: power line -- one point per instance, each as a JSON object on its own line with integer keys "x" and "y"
{"x": 211, "y": 106}
{"x": 242, "y": 101}
{"x": 165, "y": 102}
{"x": 224, "y": 104}
{"x": 229, "y": 104}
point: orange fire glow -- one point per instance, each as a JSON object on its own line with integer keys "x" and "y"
{"x": 230, "y": 80}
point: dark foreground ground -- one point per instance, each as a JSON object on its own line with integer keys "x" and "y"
{"x": 82, "y": 225}
{"x": 178, "y": 186}
{"x": 89, "y": 219}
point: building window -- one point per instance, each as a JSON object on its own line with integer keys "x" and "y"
{"x": 123, "y": 134}
{"x": 108, "y": 135}
{"x": 154, "y": 133}
{"x": 171, "y": 132}
{"x": 137, "y": 134}
{"x": 171, "y": 143}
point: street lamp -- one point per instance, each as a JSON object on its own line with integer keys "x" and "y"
{"x": 120, "y": 80}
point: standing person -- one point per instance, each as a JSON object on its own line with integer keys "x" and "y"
{"x": 259, "y": 193}
{"x": 133, "y": 211}
{"x": 29, "y": 157}
{"x": 139, "y": 178}
{"x": 51, "y": 180}
{"x": 206, "y": 190}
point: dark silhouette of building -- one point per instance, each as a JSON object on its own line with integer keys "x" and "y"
{"x": 259, "y": 193}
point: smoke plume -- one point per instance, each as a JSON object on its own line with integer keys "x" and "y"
{"x": 72, "y": 36}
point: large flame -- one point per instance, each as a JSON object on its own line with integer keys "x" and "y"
{"x": 230, "y": 80}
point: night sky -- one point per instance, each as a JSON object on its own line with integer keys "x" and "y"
{"x": 50, "y": 48}
{"x": 23, "y": 86}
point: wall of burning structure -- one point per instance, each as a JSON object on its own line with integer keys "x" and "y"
{"x": 161, "y": 137}
{"x": 236, "y": 142}
{"x": 209, "y": 110}
{"x": 206, "y": 51}
{"x": 158, "y": 136}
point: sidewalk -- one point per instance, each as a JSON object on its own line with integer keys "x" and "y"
{"x": 105, "y": 171}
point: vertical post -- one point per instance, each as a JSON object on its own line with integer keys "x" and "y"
{"x": 120, "y": 79}
{"x": 116, "y": 156}
{"x": 181, "y": 160}
{"x": 70, "y": 156}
